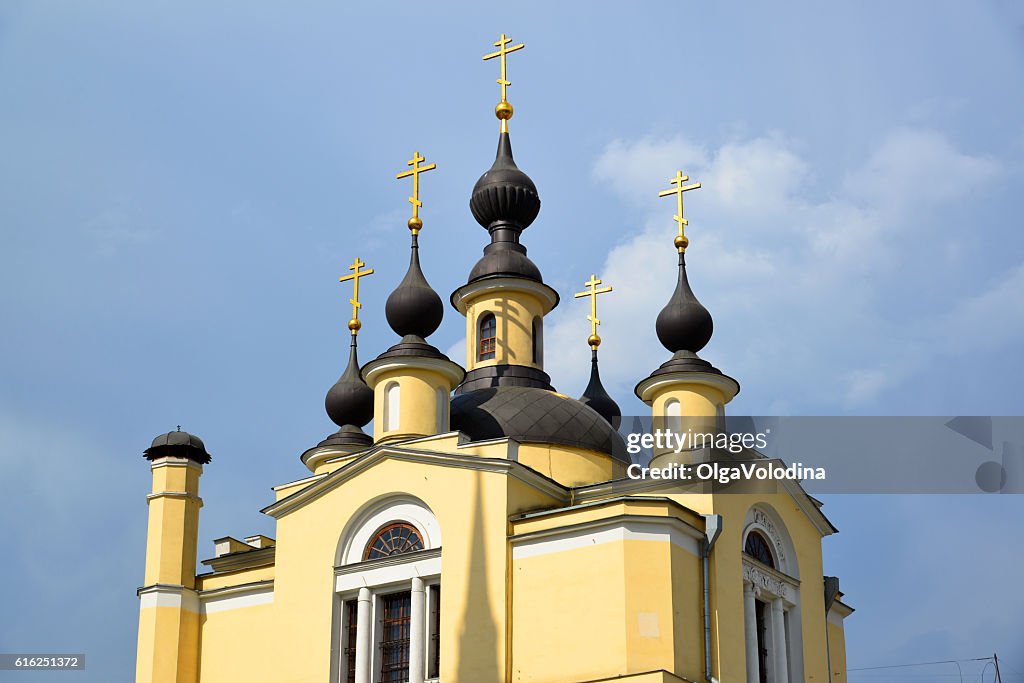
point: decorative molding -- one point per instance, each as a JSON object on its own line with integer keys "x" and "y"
{"x": 364, "y": 462}
{"x": 168, "y": 595}
{"x": 448, "y": 369}
{"x": 768, "y": 580}
{"x": 647, "y": 388}
{"x": 236, "y": 597}
{"x": 464, "y": 295}
{"x": 611, "y": 530}
{"x": 245, "y": 559}
{"x": 373, "y": 574}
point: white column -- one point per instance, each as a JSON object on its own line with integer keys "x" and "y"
{"x": 750, "y": 629}
{"x": 417, "y": 632}
{"x": 363, "y": 633}
{"x": 779, "y": 641}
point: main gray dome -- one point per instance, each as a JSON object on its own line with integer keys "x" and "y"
{"x": 529, "y": 414}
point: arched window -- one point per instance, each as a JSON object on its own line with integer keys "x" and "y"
{"x": 393, "y": 539}
{"x": 392, "y": 399}
{"x": 488, "y": 332}
{"x": 757, "y": 547}
{"x": 538, "y": 341}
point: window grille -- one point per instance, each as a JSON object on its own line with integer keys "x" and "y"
{"x": 394, "y": 640}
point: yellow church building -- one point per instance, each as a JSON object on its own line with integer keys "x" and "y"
{"x": 487, "y": 531}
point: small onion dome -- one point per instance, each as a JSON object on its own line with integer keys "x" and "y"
{"x": 597, "y": 398}
{"x": 505, "y": 202}
{"x": 414, "y": 308}
{"x": 684, "y": 324}
{"x": 350, "y": 401}
{"x": 178, "y": 444}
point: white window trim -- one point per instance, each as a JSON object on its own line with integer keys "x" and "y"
{"x": 771, "y": 584}
{"x": 394, "y": 576}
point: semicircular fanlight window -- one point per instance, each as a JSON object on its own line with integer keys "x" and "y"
{"x": 393, "y": 539}
{"x": 757, "y": 547}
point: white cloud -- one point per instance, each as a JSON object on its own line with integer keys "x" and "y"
{"x": 799, "y": 278}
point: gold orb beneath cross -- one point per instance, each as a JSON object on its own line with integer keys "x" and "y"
{"x": 415, "y": 224}
{"x": 594, "y": 341}
{"x": 503, "y": 111}
{"x": 681, "y": 242}
{"x": 354, "y": 324}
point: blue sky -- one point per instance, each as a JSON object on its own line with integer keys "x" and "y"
{"x": 181, "y": 184}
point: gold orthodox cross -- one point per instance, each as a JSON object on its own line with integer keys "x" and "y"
{"x": 680, "y": 241}
{"x": 592, "y": 292}
{"x": 415, "y": 223}
{"x": 504, "y": 110}
{"x": 354, "y": 323}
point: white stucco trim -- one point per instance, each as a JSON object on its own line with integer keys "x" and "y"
{"x": 466, "y": 294}
{"x": 167, "y": 595}
{"x": 236, "y": 597}
{"x": 378, "y": 577}
{"x": 613, "y": 530}
{"x": 380, "y": 512}
{"x": 372, "y": 457}
{"x": 647, "y": 389}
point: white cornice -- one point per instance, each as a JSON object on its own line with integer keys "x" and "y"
{"x": 614, "y": 529}
{"x": 168, "y": 595}
{"x": 450, "y": 370}
{"x": 370, "y": 458}
{"x": 465, "y": 294}
{"x": 626, "y": 487}
{"x": 648, "y": 388}
{"x": 235, "y": 597}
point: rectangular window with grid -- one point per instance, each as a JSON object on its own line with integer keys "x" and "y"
{"x": 351, "y": 620}
{"x": 394, "y": 639}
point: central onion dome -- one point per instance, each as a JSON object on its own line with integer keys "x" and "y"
{"x": 505, "y": 202}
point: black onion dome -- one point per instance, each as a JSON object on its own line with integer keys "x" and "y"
{"x": 532, "y": 415}
{"x": 350, "y": 401}
{"x": 597, "y": 398}
{"x": 505, "y": 201}
{"x": 504, "y": 195}
{"x": 684, "y": 324}
{"x": 414, "y": 308}
{"x": 178, "y": 444}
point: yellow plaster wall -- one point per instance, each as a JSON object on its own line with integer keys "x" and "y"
{"x": 239, "y": 645}
{"x": 167, "y": 651}
{"x": 569, "y": 466}
{"x": 837, "y": 652}
{"x": 605, "y": 610}
{"x": 418, "y": 403}
{"x": 235, "y": 578}
{"x": 514, "y": 312}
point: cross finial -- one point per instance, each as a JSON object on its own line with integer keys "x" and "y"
{"x": 680, "y": 241}
{"x": 504, "y": 110}
{"x": 354, "y": 323}
{"x": 592, "y": 292}
{"x": 415, "y": 224}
